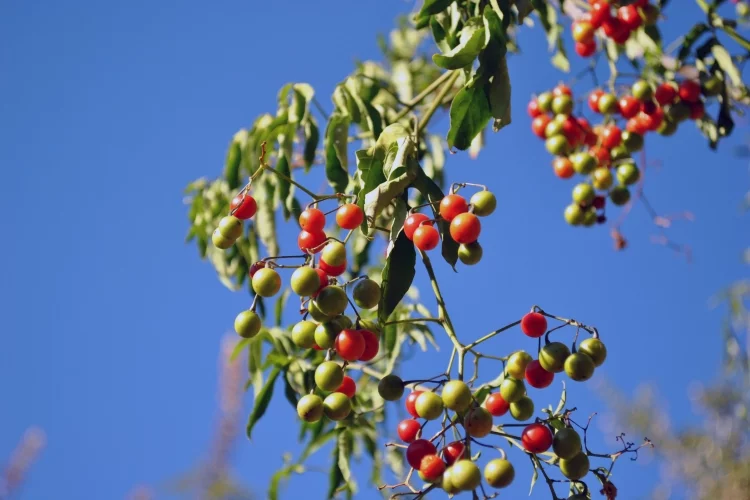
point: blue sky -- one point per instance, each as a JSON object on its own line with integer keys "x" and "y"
{"x": 111, "y": 324}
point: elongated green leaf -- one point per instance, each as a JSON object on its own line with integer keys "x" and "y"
{"x": 242, "y": 345}
{"x": 317, "y": 443}
{"x": 265, "y": 219}
{"x": 433, "y": 194}
{"x": 345, "y": 451}
{"x": 281, "y": 475}
{"x": 690, "y": 38}
{"x": 470, "y": 113}
{"x": 535, "y": 475}
{"x": 726, "y": 64}
{"x": 289, "y": 392}
{"x": 432, "y": 7}
{"x": 280, "y": 303}
{"x": 303, "y": 95}
{"x": 284, "y": 189}
{"x": 337, "y": 134}
{"x": 335, "y": 478}
{"x": 499, "y": 93}
{"x": 262, "y": 400}
{"x": 471, "y": 43}
{"x": 254, "y": 365}
{"x": 312, "y": 138}
{"x": 232, "y": 165}
{"x": 397, "y": 275}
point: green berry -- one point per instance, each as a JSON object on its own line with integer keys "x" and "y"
{"x": 230, "y": 227}
{"x": 456, "y": 395}
{"x": 305, "y": 281}
{"x": 523, "y": 409}
{"x": 337, "y": 406}
{"x": 595, "y": 349}
{"x": 553, "y": 355}
{"x": 332, "y": 300}
{"x": 512, "y": 389}
{"x": 484, "y": 203}
{"x": 619, "y": 195}
{"x": 303, "y": 334}
{"x": 391, "y": 388}
{"x": 328, "y": 376}
{"x": 220, "y": 241}
{"x": 574, "y": 214}
{"x": 470, "y": 253}
{"x": 266, "y": 282}
{"x": 366, "y": 293}
{"x": 310, "y": 408}
{"x": 247, "y": 324}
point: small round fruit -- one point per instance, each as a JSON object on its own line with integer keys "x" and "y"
{"x": 366, "y": 293}
{"x": 310, "y": 408}
{"x": 642, "y": 90}
{"x": 453, "y": 205}
{"x": 429, "y": 405}
{"x": 431, "y": 468}
{"x": 391, "y": 388}
{"x": 484, "y": 203}
{"x": 583, "y": 163}
{"x": 470, "y": 254}
{"x": 453, "y": 451}
{"x": 583, "y": 31}
{"x": 574, "y": 214}
{"x": 523, "y": 409}
{"x": 585, "y": 49}
{"x": 350, "y": 344}
{"x": 478, "y": 422}
{"x": 533, "y": 109}
{"x": 593, "y": 99}
{"x": 667, "y": 128}
{"x": 544, "y": 100}
{"x": 349, "y": 216}
{"x": 553, "y": 355}
{"x": 689, "y": 91}
{"x": 220, "y": 241}
{"x": 328, "y": 376}
{"x": 589, "y": 218}
{"x": 533, "y": 324}
{"x": 243, "y": 206}
{"x": 426, "y": 238}
{"x": 579, "y": 367}
{"x": 446, "y": 484}
{"x": 372, "y": 345}
{"x": 537, "y": 376}
{"x": 332, "y": 270}
{"x": 602, "y": 178}
{"x": 679, "y": 112}
{"x": 303, "y": 334}
{"x": 499, "y": 473}
{"x": 323, "y": 277}
{"x": 611, "y": 136}
{"x": 619, "y": 195}
{"x": 334, "y": 253}
{"x": 557, "y": 144}
{"x": 562, "y": 105}
{"x": 465, "y": 228}
{"x": 633, "y": 142}
{"x": 312, "y": 220}
{"x": 266, "y": 282}
{"x": 665, "y": 93}
{"x": 536, "y": 438}
{"x": 601, "y": 154}
{"x": 315, "y": 312}
{"x": 517, "y": 362}
{"x": 465, "y": 475}
{"x": 512, "y": 390}
{"x": 563, "y": 167}
{"x": 628, "y": 174}
{"x": 456, "y": 395}
{"x": 620, "y": 152}
{"x": 326, "y": 333}
{"x": 629, "y": 106}
{"x": 496, "y": 405}
{"x": 247, "y": 324}
{"x": 311, "y": 242}
{"x": 567, "y": 443}
{"x": 230, "y": 227}
{"x": 348, "y": 387}
{"x": 410, "y": 403}
{"x": 337, "y": 406}
{"x": 576, "y": 468}
{"x": 305, "y": 281}
{"x": 409, "y": 430}
{"x": 412, "y": 223}
{"x": 332, "y": 301}
{"x": 539, "y": 126}
{"x": 608, "y": 104}
{"x": 583, "y": 194}
{"x": 595, "y": 349}
{"x": 418, "y": 450}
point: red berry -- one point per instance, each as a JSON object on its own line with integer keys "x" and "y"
{"x": 599, "y": 202}
{"x": 432, "y": 467}
{"x": 563, "y": 167}
{"x": 453, "y": 451}
{"x": 350, "y": 344}
{"x": 689, "y": 91}
{"x": 332, "y": 270}
{"x": 616, "y": 30}
{"x": 311, "y": 242}
{"x": 573, "y": 131}
{"x": 611, "y": 136}
{"x": 411, "y": 400}
{"x": 697, "y": 110}
{"x": 372, "y": 345}
{"x": 465, "y": 228}
{"x": 594, "y": 99}
{"x": 347, "y": 387}
{"x": 536, "y": 438}
{"x": 412, "y": 222}
{"x": 312, "y": 220}
{"x": 418, "y": 450}
{"x": 496, "y": 405}
{"x": 408, "y": 430}
{"x": 426, "y": 237}
{"x": 537, "y": 376}
{"x": 586, "y": 49}
{"x": 602, "y": 155}
{"x": 533, "y": 324}
{"x": 651, "y": 121}
{"x": 539, "y": 125}
{"x": 349, "y": 216}
{"x": 562, "y": 89}
{"x": 583, "y": 31}
{"x": 629, "y": 106}
{"x": 665, "y": 93}
{"x": 255, "y": 267}
{"x": 243, "y": 206}
{"x": 533, "y": 109}
{"x": 630, "y": 17}
{"x": 452, "y": 205}
{"x": 637, "y": 125}
{"x": 600, "y": 12}
{"x": 323, "y": 280}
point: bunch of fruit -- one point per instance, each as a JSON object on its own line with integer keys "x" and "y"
{"x": 451, "y": 466}
{"x": 312, "y": 221}
{"x": 613, "y": 22}
{"x": 242, "y": 207}
{"x": 603, "y": 153}
{"x": 463, "y": 218}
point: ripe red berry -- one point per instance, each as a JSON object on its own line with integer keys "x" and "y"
{"x": 600, "y": 12}
{"x": 412, "y": 222}
{"x": 586, "y": 49}
{"x": 410, "y": 403}
{"x": 562, "y": 89}
{"x": 697, "y": 110}
{"x": 332, "y": 270}
{"x": 630, "y": 16}
{"x": 496, "y": 405}
{"x": 350, "y": 344}
{"x": 594, "y": 99}
{"x": 599, "y": 202}
{"x": 537, "y": 376}
{"x": 611, "y": 136}
{"x": 372, "y": 345}
{"x": 573, "y": 131}
{"x": 349, "y": 216}
{"x": 465, "y": 228}
{"x": 408, "y": 430}
{"x": 536, "y": 438}
{"x": 452, "y": 205}
{"x": 629, "y": 106}
{"x": 539, "y": 125}
{"x": 563, "y": 167}
{"x": 453, "y": 451}
{"x": 418, "y": 450}
{"x": 533, "y": 109}
{"x": 348, "y": 387}
{"x": 651, "y": 121}
{"x": 323, "y": 280}
{"x": 255, "y": 268}
{"x": 312, "y": 220}
{"x": 243, "y": 206}
{"x": 311, "y": 242}
{"x": 602, "y": 155}
{"x": 533, "y": 324}
{"x": 426, "y": 237}
{"x": 689, "y": 91}
{"x": 665, "y": 93}
{"x": 637, "y": 125}
{"x": 432, "y": 467}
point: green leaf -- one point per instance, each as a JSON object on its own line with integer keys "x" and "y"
{"x": 238, "y": 348}
{"x": 499, "y": 93}
{"x": 482, "y": 394}
{"x": 335, "y": 478}
{"x": 397, "y": 275}
{"x": 432, "y": 7}
{"x": 563, "y": 400}
{"x": 255, "y": 364}
{"x": 284, "y": 192}
{"x": 262, "y": 400}
{"x": 232, "y": 165}
{"x": 280, "y": 303}
{"x": 265, "y": 219}
{"x": 345, "y": 451}
{"x": 289, "y": 392}
{"x": 281, "y": 475}
{"x": 433, "y": 194}
{"x": 438, "y": 33}
{"x": 471, "y": 42}
{"x": 312, "y": 138}
{"x": 689, "y": 40}
{"x": 470, "y": 113}
{"x": 725, "y": 63}
{"x": 300, "y": 110}
{"x": 560, "y": 61}
{"x": 337, "y": 133}
{"x": 317, "y": 443}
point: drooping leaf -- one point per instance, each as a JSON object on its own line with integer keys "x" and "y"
{"x": 302, "y": 96}
{"x": 265, "y": 218}
{"x": 471, "y": 43}
{"x": 535, "y": 475}
{"x": 242, "y": 345}
{"x": 724, "y": 59}
{"x": 262, "y": 400}
{"x": 289, "y": 392}
{"x": 469, "y": 114}
{"x": 689, "y": 40}
{"x": 432, "y": 7}
{"x": 335, "y": 477}
{"x": 398, "y": 274}
{"x": 499, "y": 93}
{"x": 312, "y": 138}
{"x": 232, "y": 165}
{"x": 337, "y": 162}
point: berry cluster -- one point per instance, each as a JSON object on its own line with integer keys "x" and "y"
{"x": 450, "y": 466}
{"x": 615, "y": 23}
{"x": 242, "y": 207}
{"x": 312, "y": 221}
{"x": 463, "y": 218}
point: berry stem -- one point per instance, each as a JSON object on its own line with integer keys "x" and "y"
{"x": 421, "y": 96}
{"x": 492, "y": 334}
{"x": 414, "y": 320}
{"x": 437, "y": 101}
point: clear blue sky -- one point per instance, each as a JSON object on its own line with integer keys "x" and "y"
{"x": 111, "y": 324}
